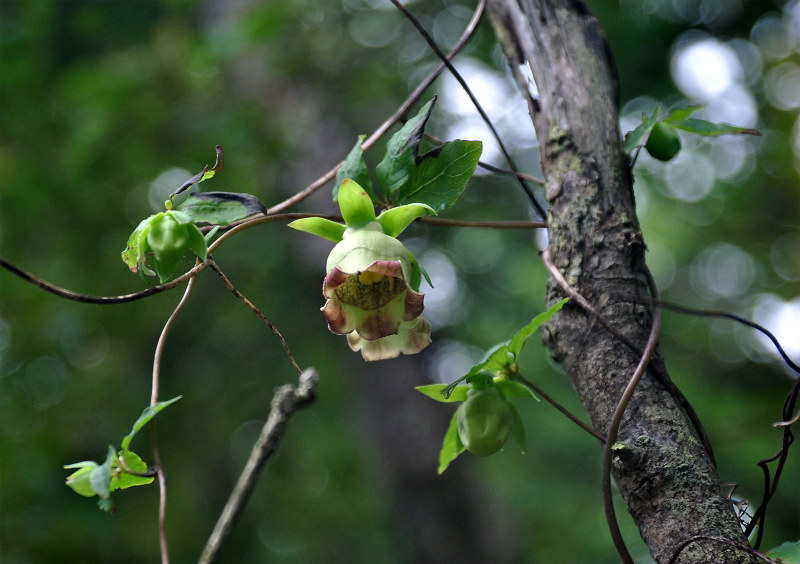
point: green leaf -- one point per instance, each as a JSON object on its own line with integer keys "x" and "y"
{"x": 355, "y": 168}
{"x": 147, "y": 414}
{"x": 517, "y": 428}
{"x": 493, "y": 362}
{"x": 788, "y": 552}
{"x": 205, "y": 175}
{"x": 451, "y": 446}
{"x": 680, "y": 114}
{"x": 518, "y": 341}
{"x": 637, "y": 137}
{"x": 395, "y": 220}
{"x": 707, "y": 128}
{"x": 100, "y": 477}
{"x": 124, "y": 479}
{"x": 356, "y": 205}
{"x": 221, "y": 208}
{"x": 321, "y": 227}
{"x": 442, "y": 174}
{"x": 435, "y": 391}
{"x": 510, "y": 389}
{"x": 397, "y": 169}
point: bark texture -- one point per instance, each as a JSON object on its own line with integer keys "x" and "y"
{"x": 668, "y": 481}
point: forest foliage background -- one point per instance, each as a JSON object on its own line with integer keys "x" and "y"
{"x": 107, "y": 107}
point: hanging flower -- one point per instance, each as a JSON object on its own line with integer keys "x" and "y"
{"x": 372, "y": 282}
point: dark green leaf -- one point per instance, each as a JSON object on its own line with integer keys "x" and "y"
{"x": 680, "y": 114}
{"x": 397, "y": 169}
{"x": 221, "y": 208}
{"x": 442, "y": 174}
{"x": 451, "y": 446}
{"x": 355, "y": 168}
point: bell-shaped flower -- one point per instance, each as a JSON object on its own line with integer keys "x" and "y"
{"x": 372, "y": 281}
{"x": 412, "y": 337}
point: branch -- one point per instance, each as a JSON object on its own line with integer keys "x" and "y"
{"x": 286, "y": 400}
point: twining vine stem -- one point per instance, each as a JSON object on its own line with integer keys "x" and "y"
{"x": 162, "y": 478}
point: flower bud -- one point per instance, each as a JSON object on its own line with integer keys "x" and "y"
{"x": 663, "y": 143}
{"x": 484, "y": 421}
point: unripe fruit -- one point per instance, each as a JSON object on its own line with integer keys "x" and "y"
{"x": 484, "y": 421}
{"x": 663, "y": 143}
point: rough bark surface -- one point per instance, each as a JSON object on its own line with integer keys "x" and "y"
{"x": 668, "y": 481}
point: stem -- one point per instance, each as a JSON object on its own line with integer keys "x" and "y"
{"x": 286, "y": 400}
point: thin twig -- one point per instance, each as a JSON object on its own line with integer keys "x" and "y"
{"x": 286, "y": 400}
{"x": 432, "y": 44}
{"x": 255, "y": 310}
{"x": 397, "y": 116}
{"x": 561, "y": 408}
{"x": 162, "y": 477}
{"x": 736, "y": 544}
{"x": 613, "y": 429}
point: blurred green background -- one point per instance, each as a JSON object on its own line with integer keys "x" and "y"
{"x": 108, "y": 106}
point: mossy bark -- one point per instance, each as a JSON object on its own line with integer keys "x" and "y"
{"x": 667, "y": 479}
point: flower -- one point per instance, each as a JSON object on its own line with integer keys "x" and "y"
{"x": 412, "y": 337}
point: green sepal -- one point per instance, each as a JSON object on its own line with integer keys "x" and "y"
{"x": 395, "y": 220}
{"x": 397, "y": 169}
{"x": 100, "y": 477}
{"x": 134, "y": 252}
{"x": 443, "y": 173}
{"x": 79, "y": 480}
{"x": 517, "y": 428}
{"x": 210, "y": 235}
{"x": 355, "y": 168}
{"x": 512, "y": 388}
{"x": 518, "y": 340}
{"x": 436, "y": 391}
{"x": 147, "y": 414}
{"x": 356, "y": 205}
{"x": 451, "y": 445}
{"x": 320, "y": 227}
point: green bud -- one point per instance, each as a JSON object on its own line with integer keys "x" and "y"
{"x": 80, "y": 480}
{"x": 484, "y": 421}
{"x": 663, "y": 143}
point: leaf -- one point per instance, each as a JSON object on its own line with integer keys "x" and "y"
{"x": 517, "y": 428}
{"x": 397, "y": 169}
{"x": 100, "y": 477}
{"x": 510, "y": 389}
{"x": 354, "y": 202}
{"x": 147, "y": 414}
{"x": 637, "y": 137}
{"x": 495, "y": 360}
{"x": 355, "y": 168}
{"x": 788, "y": 553}
{"x": 395, "y": 220}
{"x": 221, "y": 208}
{"x": 125, "y": 479}
{"x": 518, "y": 340}
{"x": 435, "y": 391}
{"x": 680, "y": 114}
{"x": 707, "y": 128}
{"x": 321, "y": 227}
{"x": 451, "y": 445}
{"x": 442, "y": 174}
{"x": 205, "y": 175}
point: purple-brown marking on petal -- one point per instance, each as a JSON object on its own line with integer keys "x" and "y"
{"x": 333, "y": 280}
{"x": 337, "y": 319}
{"x": 414, "y": 305}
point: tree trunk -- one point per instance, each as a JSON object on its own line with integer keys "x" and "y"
{"x": 667, "y": 479}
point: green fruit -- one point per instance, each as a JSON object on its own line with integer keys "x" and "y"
{"x": 484, "y": 421}
{"x": 663, "y": 143}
